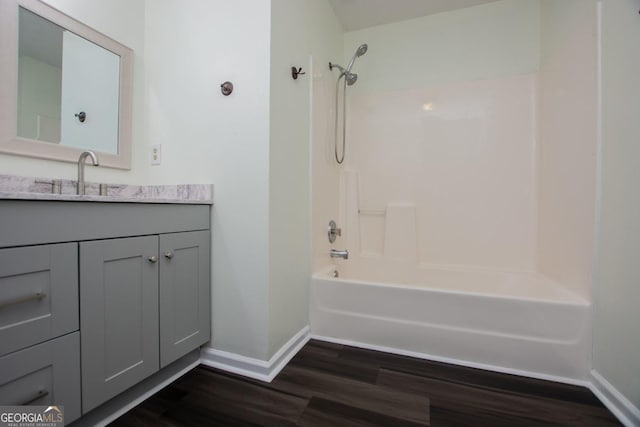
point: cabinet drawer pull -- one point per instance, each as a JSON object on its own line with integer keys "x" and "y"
{"x": 153, "y": 259}
{"x": 38, "y": 395}
{"x": 19, "y": 300}
{"x": 168, "y": 255}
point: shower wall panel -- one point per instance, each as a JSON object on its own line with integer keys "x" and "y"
{"x": 450, "y": 166}
{"x": 567, "y": 146}
{"x": 441, "y": 139}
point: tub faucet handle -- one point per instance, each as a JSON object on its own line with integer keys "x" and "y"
{"x": 333, "y": 231}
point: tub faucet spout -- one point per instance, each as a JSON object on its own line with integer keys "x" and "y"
{"x": 335, "y": 253}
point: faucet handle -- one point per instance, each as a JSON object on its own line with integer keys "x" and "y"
{"x": 333, "y": 231}
{"x": 104, "y": 188}
{"x": 56, "y": 185}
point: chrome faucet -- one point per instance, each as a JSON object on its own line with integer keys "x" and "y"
{"x": 81, "y": 161}
{"x": 335, "y": 253}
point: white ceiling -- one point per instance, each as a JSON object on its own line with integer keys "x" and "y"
{"x": 358, "y": 14}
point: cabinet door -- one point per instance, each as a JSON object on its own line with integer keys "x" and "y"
{"x": 118, "y": 315}
{"x": 45, "y": 374}
{"x": 38, "y": 294}
{"x": 185, "y": 293}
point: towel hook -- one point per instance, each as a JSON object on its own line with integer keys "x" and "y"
{"x": 226, "y": 88}
{"x": 295, "y": 72}
{"x": 82, "y": 116}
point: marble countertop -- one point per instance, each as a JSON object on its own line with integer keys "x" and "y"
{"x": 29, "y": 188}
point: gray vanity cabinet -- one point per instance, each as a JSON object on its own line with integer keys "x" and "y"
{"x": 97, "y": 297}
{"x": 184, "y": 293}
{"x": 118, "y": 315}
{"x": 144, "y": 303}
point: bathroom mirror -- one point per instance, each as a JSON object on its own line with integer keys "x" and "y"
{"x": 65, "y": 88}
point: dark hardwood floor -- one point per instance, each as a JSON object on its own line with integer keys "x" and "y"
{"x": 334, "y": 385}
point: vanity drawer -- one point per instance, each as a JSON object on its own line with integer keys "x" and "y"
{"x": 45, "y": 374}
{"x": 38, "y": 294}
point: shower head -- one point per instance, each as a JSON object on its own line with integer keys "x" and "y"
{"x": 350, "y": 77}
{"x": 362, "y": 49}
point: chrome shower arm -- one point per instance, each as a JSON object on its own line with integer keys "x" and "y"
{"x": 332, "y": 66}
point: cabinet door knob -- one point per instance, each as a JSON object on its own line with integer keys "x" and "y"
{"x": 168, "y": 255}
{"x": 153, "y": 259}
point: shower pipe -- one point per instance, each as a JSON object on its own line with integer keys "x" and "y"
{"x": 349, "y": 79}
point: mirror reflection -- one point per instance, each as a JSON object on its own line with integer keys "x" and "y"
{"x": 68, "y": 87}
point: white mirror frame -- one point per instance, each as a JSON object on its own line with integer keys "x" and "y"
{"x": 10, "y": 143}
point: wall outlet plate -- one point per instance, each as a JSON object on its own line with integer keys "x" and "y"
{"x": 156, "y": 154}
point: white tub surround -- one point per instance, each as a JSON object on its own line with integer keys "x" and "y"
{"x": 31, "y": 188}
{"x": 516, "y": 323}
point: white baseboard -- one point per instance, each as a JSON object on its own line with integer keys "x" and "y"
{"x": 627, "y": 412}
{"x": 620, "y": 406}
{"x": 564, "y": 380}
{"x": 255, "y": 368}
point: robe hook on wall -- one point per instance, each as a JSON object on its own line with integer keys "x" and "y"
{"x": 82, "y": 116}
{"x": 226, "y": 88}
{"x": 295, "y": 72}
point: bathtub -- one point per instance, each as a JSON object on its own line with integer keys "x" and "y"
{"x": 519, "y": 323}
